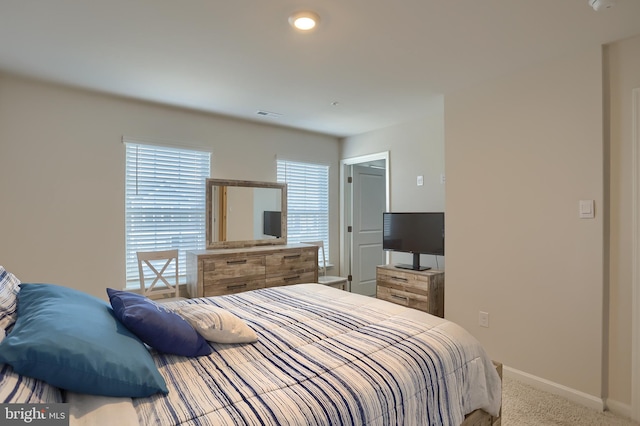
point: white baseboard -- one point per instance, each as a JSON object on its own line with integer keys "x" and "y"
{"x": 555, "y": 388}
{"x": 618, "y": 408}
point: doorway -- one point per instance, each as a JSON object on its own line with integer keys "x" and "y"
{"x": 635, "y": 305}
{"x": 364, "y": 190}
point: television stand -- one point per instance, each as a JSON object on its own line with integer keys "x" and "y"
{"x": 422, "y": 290}
{"x": 413, "y": 268}
{"x": 416, "y": 264}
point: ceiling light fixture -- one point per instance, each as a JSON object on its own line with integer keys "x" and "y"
{"x": 304, "y": 21}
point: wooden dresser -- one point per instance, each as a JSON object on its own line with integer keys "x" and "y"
{"x": 423, "y": 290}
{"x": 232, "y": 270}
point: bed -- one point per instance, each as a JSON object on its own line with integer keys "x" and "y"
{"x": 318, "y": 356}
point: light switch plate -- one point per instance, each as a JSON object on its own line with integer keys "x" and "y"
{"x": 483, "y": 319}
{"x": 420, "y": 180}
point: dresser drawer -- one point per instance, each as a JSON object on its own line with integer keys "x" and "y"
{"x": 233, "y": 269}
{"x": 292, "y": 262}
{"x": 403, "y": 298}
{"x": 403, "y": 281}
{"x": 220, "y": 289}
{"x": 291, "y": 278}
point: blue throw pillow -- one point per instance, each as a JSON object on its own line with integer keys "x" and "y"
{"x": 157, "y": 326}
{"x": 72, "y": 340}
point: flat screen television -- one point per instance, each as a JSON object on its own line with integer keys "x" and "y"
{"x": 272, "y": 224}
{"x": 416, "y": 233}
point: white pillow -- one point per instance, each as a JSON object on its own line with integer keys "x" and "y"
{"x": 9, "y": 288}
{"x": 216, "y": 324}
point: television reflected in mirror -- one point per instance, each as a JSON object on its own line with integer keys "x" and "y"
{"x": 245, "y": 213}
{"x": 272, "y": 223}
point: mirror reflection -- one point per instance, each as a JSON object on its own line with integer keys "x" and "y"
{"x": 245, "y": 213}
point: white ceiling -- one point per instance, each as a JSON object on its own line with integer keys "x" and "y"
{"x": 383, "y": 61}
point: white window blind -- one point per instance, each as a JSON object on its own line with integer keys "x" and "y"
{"x": 164, "y": 202}
{"x": 307, "y": 201}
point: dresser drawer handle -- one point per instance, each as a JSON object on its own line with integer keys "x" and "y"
{"x": 237, "y": 262}
{"x": 296, "y": 277}
{"x": 399, "y": 279}
{"x": 403, "y": 298}
{"x": 235, "y": 287}
{"x": 292, "y": 256}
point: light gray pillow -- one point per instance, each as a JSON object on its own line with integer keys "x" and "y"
{"x": 216, "y": 324}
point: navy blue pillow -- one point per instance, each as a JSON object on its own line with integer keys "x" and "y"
{"x": 72, "y": 340}
{"x": 157, "y": 326}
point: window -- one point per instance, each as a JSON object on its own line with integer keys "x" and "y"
{"x": 307, "y": 201}
{"x": 164, "y": 202}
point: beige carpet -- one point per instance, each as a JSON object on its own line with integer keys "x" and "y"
{"x": 527, "y": 406}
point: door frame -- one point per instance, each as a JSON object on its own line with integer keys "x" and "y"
{"x": 345, "y": 199}
{"x": 635, "y": 303}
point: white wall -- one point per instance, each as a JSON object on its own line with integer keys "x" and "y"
{"x": 416, "y": 148}
{"x": 521, "y": 152}
{"x": 62, "y": 174}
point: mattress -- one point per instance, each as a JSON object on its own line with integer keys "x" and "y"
{"x": 323, "y": 357}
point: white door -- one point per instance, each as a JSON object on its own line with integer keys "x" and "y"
{"x": 368, "y": 203}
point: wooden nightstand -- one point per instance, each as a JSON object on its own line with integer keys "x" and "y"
{"x": 423, "y": 290}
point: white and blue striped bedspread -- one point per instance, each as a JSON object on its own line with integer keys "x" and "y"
{"x": 327, "y": 357}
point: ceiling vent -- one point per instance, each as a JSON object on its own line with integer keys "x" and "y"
{"x": 268, "y": 114}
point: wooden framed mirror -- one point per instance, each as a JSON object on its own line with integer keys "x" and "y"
{"x": 242, "y": 213}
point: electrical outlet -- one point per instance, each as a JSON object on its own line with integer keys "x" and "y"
{"x": 483, "y": 319}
